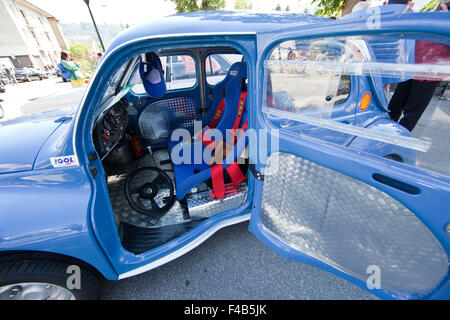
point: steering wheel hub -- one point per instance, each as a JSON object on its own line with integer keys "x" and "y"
{"x": 148, "y": 190}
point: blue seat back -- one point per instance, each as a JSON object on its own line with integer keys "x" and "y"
{"x": 233, "y": 90}
{"x": 218, "y": 91}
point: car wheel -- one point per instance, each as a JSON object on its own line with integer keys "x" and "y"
{"x": 43, "y": 277}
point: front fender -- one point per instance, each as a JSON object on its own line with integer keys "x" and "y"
{"x": 49, "y": 211}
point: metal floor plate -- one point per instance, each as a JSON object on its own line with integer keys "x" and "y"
{"x": 123, "y": 210}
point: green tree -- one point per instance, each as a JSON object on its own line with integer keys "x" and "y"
{"x": 242, "y": 5}
{"x": 278, "y": 7}
{"x": 79, "y": 51}
{"x": 194, "y": 5}
{"x": 334, "y": 8}
{"x": 430, "y": 6}
{"x": 83, "y": 57}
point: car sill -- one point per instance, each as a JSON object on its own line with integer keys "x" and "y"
{"x": 178, "y": 253}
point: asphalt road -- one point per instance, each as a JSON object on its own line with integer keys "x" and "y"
{"x": 39, "y": 96}
{"x": 234, "y": 264}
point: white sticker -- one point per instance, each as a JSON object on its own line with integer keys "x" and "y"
{"x": 64, "y": 161}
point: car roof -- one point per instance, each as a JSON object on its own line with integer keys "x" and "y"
{"x": 215, "y": 22}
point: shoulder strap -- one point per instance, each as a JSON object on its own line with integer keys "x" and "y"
{"x": 217, "y": 114}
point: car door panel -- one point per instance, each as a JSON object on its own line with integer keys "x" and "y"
{"x": 377, "y": 223}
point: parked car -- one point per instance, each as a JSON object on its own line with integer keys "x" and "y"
{"x": 23, "y": 74}
{"x": 114, "y": 187}
{"x": 26, "y": 74}
{"x": 39, "y": 74}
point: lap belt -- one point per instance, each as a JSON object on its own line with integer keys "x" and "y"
{"x": 218, "y": 183}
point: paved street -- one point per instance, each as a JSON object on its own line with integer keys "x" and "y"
{"x": 39, "y": 96}
{"x": 234, "y": 264}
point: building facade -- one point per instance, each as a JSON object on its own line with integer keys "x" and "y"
{"x": 29, "y": 36}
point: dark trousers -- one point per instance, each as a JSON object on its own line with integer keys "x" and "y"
{"x": 412, "y": 98}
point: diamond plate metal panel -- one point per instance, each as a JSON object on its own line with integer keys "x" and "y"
{"x": 122, "y": 208}
{"x": 200, "y": 204}
{"x": 351, "y": 226}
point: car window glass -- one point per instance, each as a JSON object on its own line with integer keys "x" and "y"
{"x": 218, "y": 64}
{"x": 383, "y": 95}
{"x": 115, "y": 80}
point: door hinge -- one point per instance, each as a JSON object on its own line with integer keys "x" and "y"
{"x": 258, "y": 175}
{"x": 92, "y": 156}
{"x": 93, "y": 170}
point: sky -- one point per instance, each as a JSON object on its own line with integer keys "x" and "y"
{"x": 107, "y": 11}
{"x": 138, "y": 11}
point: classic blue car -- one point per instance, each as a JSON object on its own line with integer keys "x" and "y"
{"x": 204, "y": 120}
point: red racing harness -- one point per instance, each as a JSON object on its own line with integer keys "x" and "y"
{"x": 217, "y": 171}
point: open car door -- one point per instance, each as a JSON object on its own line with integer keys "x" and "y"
{"x": 348, "y": 189}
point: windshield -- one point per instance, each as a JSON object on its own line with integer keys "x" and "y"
{"x": 110, "y": 97}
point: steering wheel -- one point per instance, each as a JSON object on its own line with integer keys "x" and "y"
{"x": 149, "y": 191}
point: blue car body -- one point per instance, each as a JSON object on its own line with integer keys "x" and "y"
{"x": 66, "y": 210}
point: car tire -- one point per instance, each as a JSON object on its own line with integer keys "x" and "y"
{"x": 43, "y": 276}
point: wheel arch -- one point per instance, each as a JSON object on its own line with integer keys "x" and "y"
{"x": 42, "y": 255}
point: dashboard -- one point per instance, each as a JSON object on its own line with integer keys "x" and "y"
{"x": 110, "y": 128}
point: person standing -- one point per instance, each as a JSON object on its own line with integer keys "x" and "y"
{"x": 412, "y": 97}
{"x": 75, "y": 74}
{"x": 10, "y": 75}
